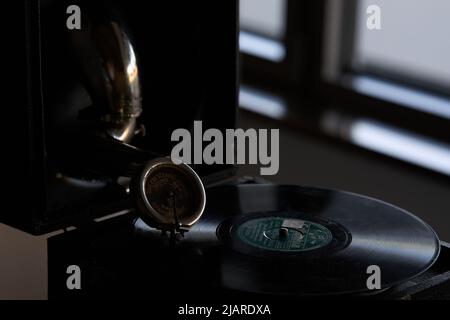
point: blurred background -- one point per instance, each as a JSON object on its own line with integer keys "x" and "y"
{"x": 367, "y": 111}
{"x": 362, "y": 110}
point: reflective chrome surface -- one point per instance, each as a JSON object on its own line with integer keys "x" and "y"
{"x": 169, "y": 196}
{"x": 111, "y": 74}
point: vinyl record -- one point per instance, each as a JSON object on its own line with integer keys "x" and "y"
{"x": 289, "y": 240}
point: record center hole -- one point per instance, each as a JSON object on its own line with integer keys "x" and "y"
{"x": 282, "y": 234}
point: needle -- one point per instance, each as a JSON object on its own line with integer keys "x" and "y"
{"x": 177, "y": 222}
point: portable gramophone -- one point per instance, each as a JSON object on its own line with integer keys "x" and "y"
{"x": 105, "y": 99}
{"x": 100, "y": 107}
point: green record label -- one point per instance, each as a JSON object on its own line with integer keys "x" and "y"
{"x": 284, "y": 234}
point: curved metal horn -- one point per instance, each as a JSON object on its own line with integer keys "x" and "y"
{"x": 111, "y": 73}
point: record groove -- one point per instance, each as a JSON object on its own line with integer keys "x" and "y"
{"x": 240, "y": 241}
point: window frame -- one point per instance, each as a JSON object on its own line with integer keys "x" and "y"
{"x": 333, "y": 84}
{"x": 287, "y": 75}
{"x": 309, "y": 94}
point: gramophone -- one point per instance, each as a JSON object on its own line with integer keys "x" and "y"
{"x": 102, "y": 102}
{"x": 100, "y": 105}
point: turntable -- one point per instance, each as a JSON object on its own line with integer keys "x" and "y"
{"x": 139, "y": 226}
{"x": 265, "y": 242}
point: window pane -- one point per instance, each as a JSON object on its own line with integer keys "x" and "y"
{"x": 414, "y": 39}
{"x": 266, "y": 17}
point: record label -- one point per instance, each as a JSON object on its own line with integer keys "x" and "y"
{"x": 281, "y": 234}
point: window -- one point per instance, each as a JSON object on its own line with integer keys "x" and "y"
{"x": 384, "y": 90}
{"x": 263, "y": 28}
{"x": 391, "y": 87}
{"x": 406, "y": 62}
{"x": 264, "y": 49}
{"x": 413, "y": 44}
{"x": 264, "y": 17}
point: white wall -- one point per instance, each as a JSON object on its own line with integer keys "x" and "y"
{"x": 23, "y": 265}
